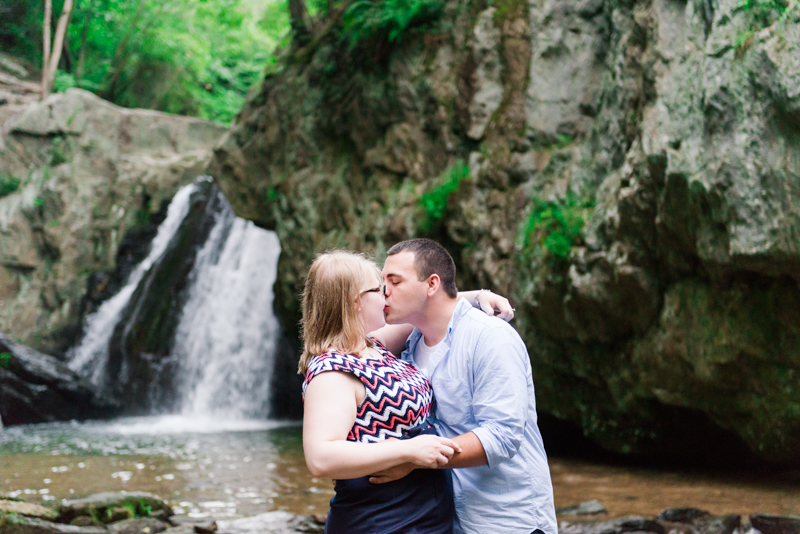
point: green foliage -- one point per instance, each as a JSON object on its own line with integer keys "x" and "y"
{"x": 744, "y": 40}
{"x": 386, "y": 19}
{"x": 553, "y": 228}
{"x": 58, "y": 157}
{"x": 5, "y": 360}
{"x": 63, "y": 81}
{"x": 192, "y": 57}
{"x": 38, "y": 202}
{"x": 763, "y": 12}
{"x": 434, "y": 202}
{"x": 8, "y": 184}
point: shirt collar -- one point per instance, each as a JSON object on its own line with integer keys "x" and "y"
{"x": 460, "y": 311}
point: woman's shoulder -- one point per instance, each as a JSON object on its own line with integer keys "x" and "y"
{"x": 381, "y": 348}
{"x": 333, "y": 360}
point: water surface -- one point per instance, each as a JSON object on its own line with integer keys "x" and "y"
{"x": 213, "y": 468}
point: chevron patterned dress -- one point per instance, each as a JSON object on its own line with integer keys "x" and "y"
{"x": 398, "y": 397}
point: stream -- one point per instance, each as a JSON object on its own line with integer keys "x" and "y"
{"x": 224, "y": 469}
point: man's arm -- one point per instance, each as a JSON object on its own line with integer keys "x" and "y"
{"x": 471, "y": 455}
{"x": 500, "y": 404}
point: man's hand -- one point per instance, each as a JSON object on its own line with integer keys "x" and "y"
{"x": 393, "y": 473}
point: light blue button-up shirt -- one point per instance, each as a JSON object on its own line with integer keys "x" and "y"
{"x": 481, "y": 377}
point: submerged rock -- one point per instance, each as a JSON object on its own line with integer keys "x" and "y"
{"x": 39, "y": 388}
{"x": 585, "y": 508}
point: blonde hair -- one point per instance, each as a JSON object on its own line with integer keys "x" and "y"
{"x": 331, "y": 318}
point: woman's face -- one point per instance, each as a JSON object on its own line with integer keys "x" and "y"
{"x": 372, "y": 303}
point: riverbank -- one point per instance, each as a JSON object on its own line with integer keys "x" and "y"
{"x": 140, "y": 512}
{"x": 208, "y": 469}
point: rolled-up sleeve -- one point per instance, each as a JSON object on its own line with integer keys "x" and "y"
{"x": 500, "y": 395}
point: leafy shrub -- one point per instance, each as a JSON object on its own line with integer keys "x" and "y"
{"x": 434, "y": 202}
{"x": 63, "y": 81}
{"x": 8, "y": 184}
{"x": 5, "y": 360}
{"x": 763, "y": 12}
{"x": 389, "y": 19}
{"x": 553, "y": 228}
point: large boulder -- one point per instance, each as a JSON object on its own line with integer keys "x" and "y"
{"x": 38, "y": 388}
{"x": 635, "y": 193}
{"x": 89, "y": 184}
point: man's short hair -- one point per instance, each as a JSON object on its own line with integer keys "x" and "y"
{"x": 430, "y": 258}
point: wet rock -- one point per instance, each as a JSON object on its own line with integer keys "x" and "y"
{"x": 100, "y": 504}
{"x": 118, "y": 513}
{"x": 775, "y": 524}
{"x": 682, "y": 515}
{"x": 616, "y": 526}
{"x": 138, "y": 525}
{"x": 142, "y": 339}
{"x": 18, "y": 524}
{"x": 585, "y": 508}
{"x": 38, "y": 388}
{"x": 208, "y": 527}
{"x": 26, "y": 509}
{"x": 92, "y": 174}
{"x": 678, "y": 145}
{"x": 86, "y": 521}
{"x": 272, "y": 522}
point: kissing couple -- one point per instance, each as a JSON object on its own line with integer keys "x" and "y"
{"x": 443, "y": 439}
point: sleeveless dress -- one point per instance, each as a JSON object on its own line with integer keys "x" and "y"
{"x": 397, "y": 404}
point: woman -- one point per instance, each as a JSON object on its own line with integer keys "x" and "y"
{"x": 365, "y": 410}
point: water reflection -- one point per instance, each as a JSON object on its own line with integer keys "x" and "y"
{"x": 219, "y": 468}
{"x": 204, "y": 467}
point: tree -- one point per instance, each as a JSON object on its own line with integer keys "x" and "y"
{"x": 297, "y": 13}
{"x": 51, "y": 58}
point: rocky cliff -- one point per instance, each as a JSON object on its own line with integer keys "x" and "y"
{"x": 83, "y": 187}
{"x": 626, "y": 171}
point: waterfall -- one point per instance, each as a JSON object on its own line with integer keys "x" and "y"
{"x": 89, "y": 358}
{"x": 225, "y": 339}
{"x": 220, "y": 359}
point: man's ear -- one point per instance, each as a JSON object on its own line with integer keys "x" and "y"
{"x": 434, "y": 284}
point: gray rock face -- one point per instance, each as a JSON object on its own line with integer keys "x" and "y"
{"x": 93, "y": 180}
{"x": 636, "y": 194}
{"x": 38, "y": 388}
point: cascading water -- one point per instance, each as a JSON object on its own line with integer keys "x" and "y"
{"x": 221, "y": 355}
{"x": 90, "y": 357}
{"x": 226, "y": 336}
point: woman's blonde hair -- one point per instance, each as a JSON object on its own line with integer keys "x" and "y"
{"x": 331, "y": 295}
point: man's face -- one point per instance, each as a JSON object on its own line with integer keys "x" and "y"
{"x": 406, "y": 296}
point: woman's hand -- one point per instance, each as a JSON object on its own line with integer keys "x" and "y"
{"x": 431, "y": 451}
{"x": 489, "y": 302}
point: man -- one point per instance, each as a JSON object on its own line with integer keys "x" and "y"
{"x": 481, "y": 376}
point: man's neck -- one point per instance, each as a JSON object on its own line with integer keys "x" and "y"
{"x": 434, "y": 321}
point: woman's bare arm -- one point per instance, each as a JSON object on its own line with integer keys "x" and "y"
{"x": 393, "y": 337}
{"x": 330, "y": 412}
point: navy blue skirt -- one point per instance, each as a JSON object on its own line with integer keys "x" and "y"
{"x": 420, "y": 503}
